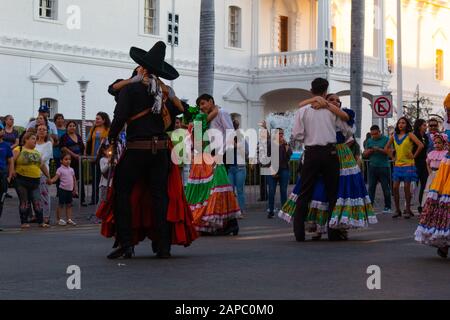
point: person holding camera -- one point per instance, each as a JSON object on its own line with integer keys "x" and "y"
{"x": 282, "y": 175}
{"x": 379, "y": 167}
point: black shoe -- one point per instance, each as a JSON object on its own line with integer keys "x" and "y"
{"x": 155, "y": 247}
{"x": 397, "y": 214}
{"x": 336, "y": 235}
{"x": 234, "y": 230}
{"x": 419, "y": 209}
{"x": 125, "y": 252}
{"x": 441, "y": 253}
{"x": 317, "y": 237}
{"x": 270, "y": 215}
{"x": 8, "y": 196}
{"x": 1, "y": 229}
{"x": 163, "y": 255}
{"x": 408, "y": 214}
{"x": 300, "y": 237}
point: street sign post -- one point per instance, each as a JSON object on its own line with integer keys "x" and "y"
{"x": 382, "y": 107}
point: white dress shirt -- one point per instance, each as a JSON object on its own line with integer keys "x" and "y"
{"x": 318, "y": 127}
{"x": 222, "y": 122}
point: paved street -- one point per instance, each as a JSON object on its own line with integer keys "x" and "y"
{"x": 263, "y": 262}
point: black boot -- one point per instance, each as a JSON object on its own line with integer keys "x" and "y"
{"x": 233, "y": 227}
{"x": 155, "y": 246}
{"x": 164, "y": 242}
{"x": 125, "y": 252}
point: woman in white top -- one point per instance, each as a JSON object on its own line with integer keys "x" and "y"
{"x": 45, "y": 148}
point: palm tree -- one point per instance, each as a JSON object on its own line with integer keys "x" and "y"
{"x": 206, "y": 49}
{"x": 357, "y": 61}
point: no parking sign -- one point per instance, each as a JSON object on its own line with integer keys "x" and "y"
{"x": 382, "y": 107}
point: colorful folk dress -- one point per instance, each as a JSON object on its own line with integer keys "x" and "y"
{"x": 434, "y": 224}
{"x": 209, "y": 193}
{"x": 353, "y": 208}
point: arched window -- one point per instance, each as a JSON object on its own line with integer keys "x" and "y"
{"x": 234, "y": 27}
{"x": 52, "y": 104}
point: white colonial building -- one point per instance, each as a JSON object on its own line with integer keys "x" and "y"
{"x": 267, "y": 51}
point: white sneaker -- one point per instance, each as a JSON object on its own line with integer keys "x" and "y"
{"x": 71, "y": 222}
{"x": 387, "y": 211}
{"x": 61, "y": 222}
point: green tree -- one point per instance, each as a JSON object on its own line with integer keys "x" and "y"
{"x": 415, "y": 111}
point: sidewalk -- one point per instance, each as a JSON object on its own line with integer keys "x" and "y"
{"x": 11, "y": 219}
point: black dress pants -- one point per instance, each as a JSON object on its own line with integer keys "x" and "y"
{"x": 422, "y": 173}
{"x": 153, "y": 169}
{"x": 319, "y": 160}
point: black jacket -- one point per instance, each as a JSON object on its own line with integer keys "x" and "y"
{"x": 133, "y": 99}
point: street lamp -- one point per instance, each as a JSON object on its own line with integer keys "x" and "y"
{"x": 83, "y": 88}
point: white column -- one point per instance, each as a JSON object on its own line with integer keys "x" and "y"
{"x": 255, "y": 33}
{"x": 323, "y": 28}
{"x": 399, "y": 61}
{"x": 380, "y": 36}
{"x": 297, "y": 31}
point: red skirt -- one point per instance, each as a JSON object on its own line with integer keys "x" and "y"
{"x": 143, "y": 225}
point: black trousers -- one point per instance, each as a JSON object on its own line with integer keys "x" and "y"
{"x": 153, "y": 169}
{"x": 95, "y": 176}
{"x": 422, "y": 173}
{"x": 3, "y": 189}
{"x": 319, "y": 160}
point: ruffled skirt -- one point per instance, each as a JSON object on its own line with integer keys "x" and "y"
{"x": 211, "y": 197}
{"x": 353, "y": 208}
{"x": 434, "y": 224}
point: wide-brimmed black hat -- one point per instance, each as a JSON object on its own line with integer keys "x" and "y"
{"x": 153, "y": 60}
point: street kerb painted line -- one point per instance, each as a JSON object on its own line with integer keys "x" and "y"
{"x": 52, "y": 229}
{"x": 246, "y": 232}
{"x": 390, "y": 239}
{"x": 267, "y": 236}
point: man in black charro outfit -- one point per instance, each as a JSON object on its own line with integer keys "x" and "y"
{"x": 147, "y": 154}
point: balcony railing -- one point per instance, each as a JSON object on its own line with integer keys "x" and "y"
{"x": 287, "y": 60}
{"x": 281, "y": 61}
{"x": 342, "y": 62}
